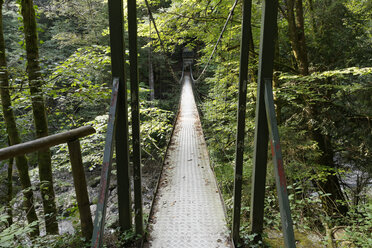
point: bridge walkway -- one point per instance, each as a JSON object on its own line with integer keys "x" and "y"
{"x": 187, "y": 211}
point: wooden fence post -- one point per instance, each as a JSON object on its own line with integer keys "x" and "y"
{"x": 80, "y": 184}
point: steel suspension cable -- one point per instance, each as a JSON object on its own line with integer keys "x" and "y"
{"x": 161, "y": 41}
{"x": 219, "y": 39}
{"x": 198, "y": 101}
{"x": 214, "y": 50}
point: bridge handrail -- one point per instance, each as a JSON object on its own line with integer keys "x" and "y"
{"x": 72, "y": 139}
{"x": 45, "y": 142}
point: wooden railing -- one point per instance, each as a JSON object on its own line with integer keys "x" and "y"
{"x": 72, "y": 140}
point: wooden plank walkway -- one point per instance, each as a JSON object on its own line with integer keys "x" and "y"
{"x": 188, "y": 211}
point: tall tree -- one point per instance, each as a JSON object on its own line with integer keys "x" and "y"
{"x": 341, "y": 38}
{"x": 334, "y": 201}
{"x": 39, "y": 113}
{"x": 11, "y": 127}
{"x": 151, "y": 71}
{"x": 294, "y": 15}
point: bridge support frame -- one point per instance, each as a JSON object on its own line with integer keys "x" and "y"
{"x": 265, "y": 123}
{"x": 118, "y": 127}
{"x": 116, "y": 23}
{"x": 243, "y": 79}
{"x": 134, "y": 92}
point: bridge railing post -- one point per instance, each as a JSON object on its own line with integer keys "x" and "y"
{"x": 81, "y": 191}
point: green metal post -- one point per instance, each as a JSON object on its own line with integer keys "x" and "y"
{"x": 281, "y": 185}
{"x": 132, "y": 32}
{"x": 116, "y": 19}
{"x": 99, "y": 220}
{"x": 266, "y": 59}
{"x": 243, "y": 78}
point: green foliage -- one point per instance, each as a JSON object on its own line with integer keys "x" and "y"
{"x": 128, "y": 239}
{"x": 156, "y": 125}
{"x": 344, "y": 101}
{"x": 359, "y": 232}
{"x": 17, "y": 236}
{"x": 60, "y": 241}
{"x": 71, "y": 25}
{"x": 341, "y": 38}
{"x": 13, "y": 35}
{"x": 79, "y": 88}
{"x": 13, "y": 235}
{"x": 193, "y": 23}
{"x": 344, "y": 73}
{"x": 249, "y": 239}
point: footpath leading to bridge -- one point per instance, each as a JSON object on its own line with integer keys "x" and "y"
{"x": 188, "y": 211}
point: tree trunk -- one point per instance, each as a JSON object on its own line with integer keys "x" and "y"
{"x": 151, "y": 70}
{"x": 297, "y": 34}
{"x": 312, "y": 16}
{"x": 300, "y": 30}
{"x": 11, "y": 127}
{"x": 40, "y": 119}
{"x": 334, "y": 204}
{"x": 151, "y": 82}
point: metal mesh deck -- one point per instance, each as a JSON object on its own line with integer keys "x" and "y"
{"x": 188, "y": 211}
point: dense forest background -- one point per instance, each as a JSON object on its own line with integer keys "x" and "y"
{"x": 323, "y": 95}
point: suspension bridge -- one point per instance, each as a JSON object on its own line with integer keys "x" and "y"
{"x": 188, "y": 210}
